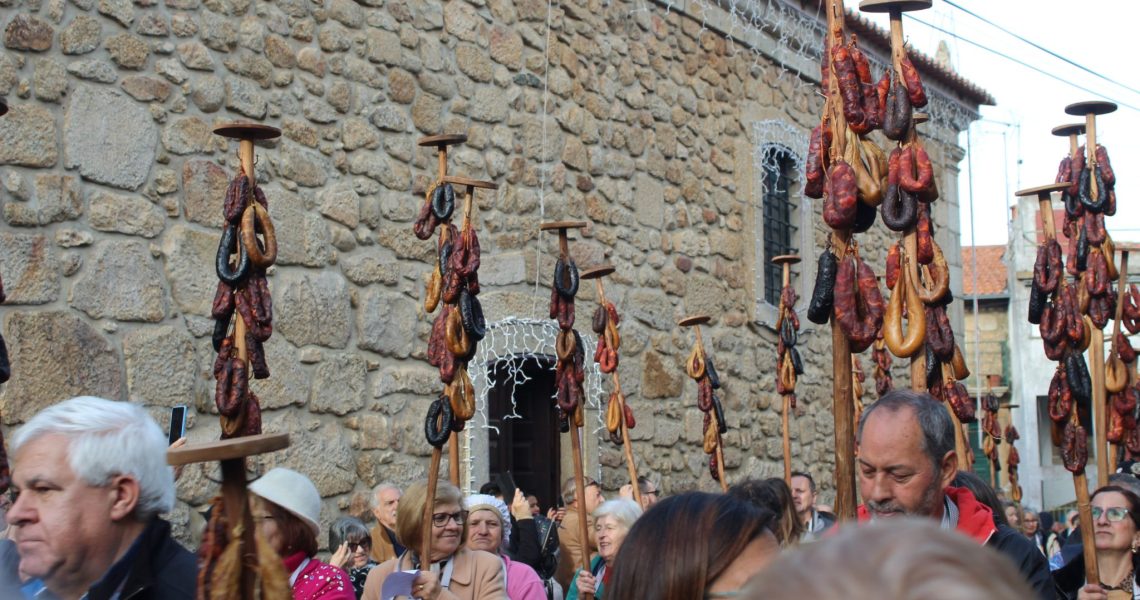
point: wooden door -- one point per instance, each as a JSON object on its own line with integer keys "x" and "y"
{"x": 527, "y": 446}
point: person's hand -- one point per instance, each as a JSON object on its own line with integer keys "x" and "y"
{"x": 426, "y": 586}
{"x": 180, "y": 442}
{"x": 556, "y": 514}
{"x": 586, "y": 582}
{"x": 520, "y": 508}
{"x": 340, "y": 557}
{"x": 626, "y": 492}
{"x": 1092, "y": 591}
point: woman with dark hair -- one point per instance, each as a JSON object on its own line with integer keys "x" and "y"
{"x": 983, "y": 492}
{"x": 452, "y": 572}
{"x": 1116, "y": 527}
{"x": 774, "y": 495}
{"x": 708, "y": 544}
{"x": 287, "y": 511}
{"x": 353, "y": 543}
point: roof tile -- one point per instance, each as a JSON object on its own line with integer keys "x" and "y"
{"x": 991, "y": 277}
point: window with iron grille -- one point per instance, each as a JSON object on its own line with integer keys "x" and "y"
{"x": 779, "y": 212}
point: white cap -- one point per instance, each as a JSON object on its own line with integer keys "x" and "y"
{"x": 292, "y": 491}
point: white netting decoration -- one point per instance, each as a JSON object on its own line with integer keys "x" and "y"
{"x": 513, "y": 342}
{"x": 776, "y": 139}
{"x": 793, "y": 42}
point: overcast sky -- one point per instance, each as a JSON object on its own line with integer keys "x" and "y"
{"x": 1012, "y": 145}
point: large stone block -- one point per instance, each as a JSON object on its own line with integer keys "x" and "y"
{"x": 29, "y": 268}
{"x": 161, "y": 366}
{"x": 55, "y": 356}
{"x": 341, "y": 203}
{"x": 289, "y": 384}
{"x": 188, "y": 255}
{"x": 660, "y": 379}
{"x": 204, "y": 186}
{"x": 57, "y": 199}
{"x": 302, "y": 235}
{"x": 28, "y": 32}
{"x": 312, "y": 309}
{"x": 651, "y": 307}
{"x": 81, "y": 35}
{"x": 339, "y": 385}
{"x": 109, "y": 137}
{"x": 28, "y": 136}
{"x": 132, "y": 215}
{"x": 122, "y": 282}
{"x": 365, "y": 269}
{"x": 387, "y": 323}
{"x": 325, "y": 456}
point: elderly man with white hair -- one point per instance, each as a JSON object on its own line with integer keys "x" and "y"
{"x": 385, "y": 500}
{"x": 91, "y": 481}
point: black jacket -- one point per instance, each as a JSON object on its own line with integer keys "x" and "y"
{"x": 160, "y": 569}
{"x": 1027, "y": 558}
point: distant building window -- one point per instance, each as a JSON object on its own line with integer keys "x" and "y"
{"x": 779, "y": 212}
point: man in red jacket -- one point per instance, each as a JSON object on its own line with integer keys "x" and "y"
{"x": 906, "y": 460}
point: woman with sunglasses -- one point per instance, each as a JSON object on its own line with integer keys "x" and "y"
{"x": 353, "y": 543}
{"x": 1116, "y": 529}
{"x": 452, "y": 572}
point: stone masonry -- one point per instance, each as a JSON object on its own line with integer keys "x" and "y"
{"x": 638, "y": 121}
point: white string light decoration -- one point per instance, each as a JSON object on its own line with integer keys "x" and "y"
{"x": 519, "y": 344}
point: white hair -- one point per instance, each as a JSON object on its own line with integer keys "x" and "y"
{"x": 374, "y": 501}
{"x": 624, "y": 511}
{"x": 109, "y": 439}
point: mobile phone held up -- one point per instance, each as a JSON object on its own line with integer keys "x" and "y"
{"x": 177, "y": 424}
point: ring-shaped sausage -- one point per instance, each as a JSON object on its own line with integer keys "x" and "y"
{"x": 607, "y": 360}
{"x": 714, "y": 377}
{"x": 695, "y": 365}
{"x": 899, "y": 208}
{"x": 437, "y": 425}
{"x": 718, "y": 414}
{"x": 461, "y": 394}
{"x": 904, "y": 346}
{"x": 472, "y": 313}
{"x": 598, "y": 322}
{"x": 443, "y": 201}
{"x": 256, "y": 217}
{"x": 458, "y": 342}
{"x": 566, "y": 278}
{"x": 613, "y": 413}
{"x": 433, "y": 292}
{"x": 228, "y": 245}
{"x": 565, "y": 345}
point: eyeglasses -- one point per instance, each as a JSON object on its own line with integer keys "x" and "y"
{"x": 441, "y": 519}
{"x": 352, "y": 546}
{"x": 1115, "y": 514}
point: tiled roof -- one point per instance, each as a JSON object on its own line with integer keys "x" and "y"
{"x": 866, "y": 29}
{"x": 991, "y": 280}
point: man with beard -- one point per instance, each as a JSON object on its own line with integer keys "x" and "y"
{"x": 906, "y": 460}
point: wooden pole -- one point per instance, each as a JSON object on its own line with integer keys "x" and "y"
{"x": 626, "y": 445}
{"x": 1080, "y": 479}
{"x": 843, "y": 410}
{"x": 429, "y": 508}
{"x": 787, "y": 279}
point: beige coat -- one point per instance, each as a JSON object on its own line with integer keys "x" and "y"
{"x": 382, "y": 549}
{"x": 570, "y": 545}
{"x": 477, "y": 575}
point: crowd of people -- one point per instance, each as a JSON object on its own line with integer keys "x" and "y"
{"x": 90, "y": 485}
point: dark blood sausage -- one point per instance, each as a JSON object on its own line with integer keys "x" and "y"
{"x": 841, "y": 191}
{"x": 566, "y": 278}
{"x": 1036, "y": 304}
{"x": 822, "y": 295}
{"x": 864, "y": 217}
{"x": 898, "y": 113}
{"x": 1077, "y": 373}
{"x": 939, "y": 335}
{"x": 849, "y": 87}
{"x": 1090, "y": 203}
{"x": 899, "y": 208}
{"x": 443, "y": 201}
{"x": 228, "y": 245}
{"x": 915, "y": 92}
{"x": 437, "y": 424}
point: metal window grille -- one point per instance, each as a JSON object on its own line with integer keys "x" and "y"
{"x": 779, "y": 208}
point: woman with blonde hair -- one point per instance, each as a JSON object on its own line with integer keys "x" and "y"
{"x": 452, "y": 572}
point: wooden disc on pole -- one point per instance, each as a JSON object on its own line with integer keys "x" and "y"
{"x": 882, "y": 6}
{"x": 1069, "y": 129}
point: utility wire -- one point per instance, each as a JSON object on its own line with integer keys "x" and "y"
{"x": 1040, "y": 47}
{"x": 1020, "y": 62}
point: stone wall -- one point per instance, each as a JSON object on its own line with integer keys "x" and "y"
{"x": 636, "y": 120}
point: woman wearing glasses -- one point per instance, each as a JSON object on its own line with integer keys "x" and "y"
{"x": 1116, "y": 527}
{"x": 286, "y": 510}
{"x": 452, "y": 571}
{"x": 353, "y": 543}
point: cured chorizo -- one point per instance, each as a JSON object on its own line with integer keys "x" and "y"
{"x": 914, "y": 89}
{"x": 237, "y": 198}
{"x": 849, "y": 87}
{"x": 255, "y": 219}
{"x": 1047, "y": 268}
{"x": 1124, "y": 349}
{"x": 813, "y": 169}
{"x": 858, "y": 304}
{"x": 1105, "y": 167}
{"x": 924, "y": 238}
{"x": 841, "y": 191}
{"x": 1074, "y": 447}
{"x": 893, "y": 265}
{"x": 939, "y": 335}
{"x": 916, "y": 173}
